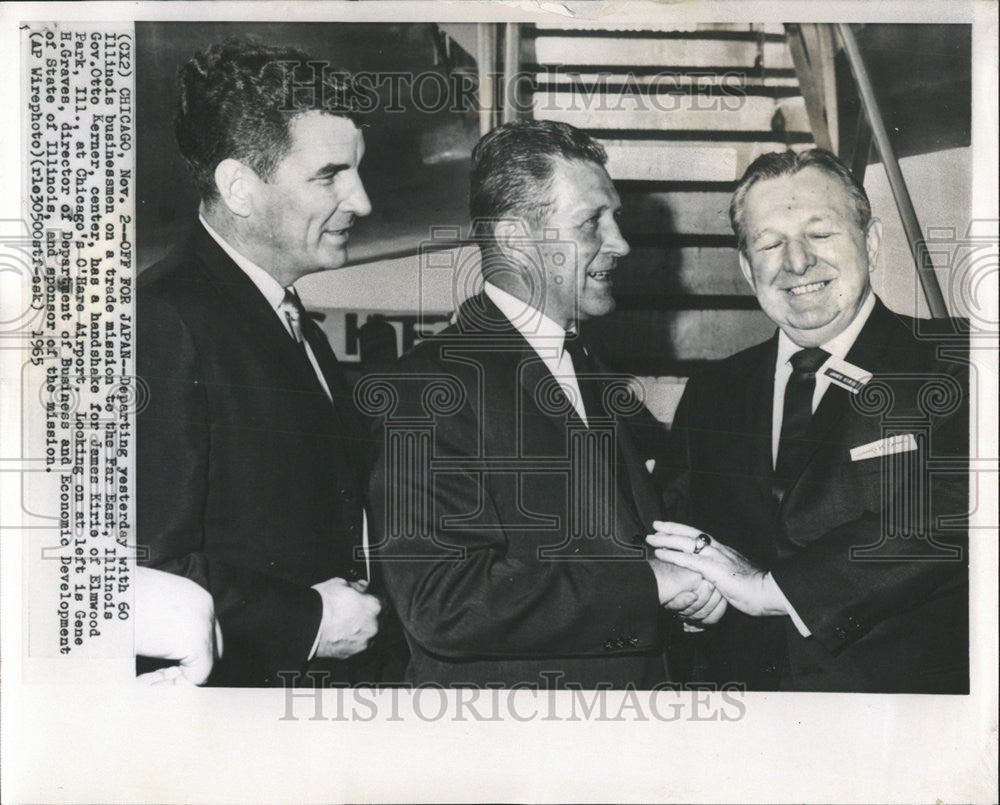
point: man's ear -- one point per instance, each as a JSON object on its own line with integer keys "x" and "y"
{"x": 235, "y": 183}
{"x": 510, "y": 237}
{"x": 747, "y": 270}
{"x": 873, "y": 241}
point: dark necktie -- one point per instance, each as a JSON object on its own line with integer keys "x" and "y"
{"x": 584, "y": 368}
{"x": 306, "y": 331}
{"x": 295, "y": 313}
{"x": 592, "y": 390}
{"x": 794, "y": 446}
{"x": 346, "y": 441}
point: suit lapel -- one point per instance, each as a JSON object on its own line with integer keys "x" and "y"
{"x": 544, "y": 403}
{"x": 541, "y": 396}
{"x": 644, "y": 500}
{"x": 866, "y": 353}
{"x": 349, "y": 425}
{"x": 757, "y": 424}
{"x": 251, "y": 312}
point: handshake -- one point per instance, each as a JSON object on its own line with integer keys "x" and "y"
{"x": 686, "y": 592}
{"x": 699, "y": 578}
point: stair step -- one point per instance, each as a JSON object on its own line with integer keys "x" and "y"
{"x": 655, "y": 272}
{"x": 643, "y": 49}
{"x": 670, "y": 336}
{"x": 650, "y": 80}
{"x": 662, "y": 395}
{"x": 647, "y": 72}
{"x": 630, "y": 111}
{"x": 702, "y": 30}
{"x": 687, "y": 162}
{"x": 646, "y": 302}
{"x": 767, "y": 138}
{"x": 704, "y": 213}
{"x": 711, "y": 163}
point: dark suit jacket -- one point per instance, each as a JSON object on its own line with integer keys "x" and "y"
{"x": 249, "y": 481}
{"x": 852, "y": 544}
{"x": 483, "y": 495}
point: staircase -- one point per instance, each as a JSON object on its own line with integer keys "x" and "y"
{"x": 682, "y": 113}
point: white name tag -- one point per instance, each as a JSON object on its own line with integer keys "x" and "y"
{"x": 845, "y": 374}
{"x": 900, "y": 443}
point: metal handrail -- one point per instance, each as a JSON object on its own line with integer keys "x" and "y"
{"x": 908, "y": 215}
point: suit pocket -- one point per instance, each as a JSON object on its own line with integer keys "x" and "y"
{"x": 863, "y": 485}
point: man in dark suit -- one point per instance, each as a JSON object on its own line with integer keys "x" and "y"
{"x": 251, "y": 467}
{"x": 510, "y": 495}
{"x": 820, "y": 479}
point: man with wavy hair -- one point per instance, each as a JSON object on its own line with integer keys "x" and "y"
{"x": 514, "y": 554}
{"x": 251, "y": 466}
{"x": 820, "y": 479}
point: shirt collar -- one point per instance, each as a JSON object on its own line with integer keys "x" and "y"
{"x": 840, "y": 344}
{"x": 540, "y": 331}
{"x": 266, "y": 284}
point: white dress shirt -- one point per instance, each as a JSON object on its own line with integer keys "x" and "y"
{"x": 546, "y": 337}
{"x": 838, "y": 347}
{"x": 272, "y": 291}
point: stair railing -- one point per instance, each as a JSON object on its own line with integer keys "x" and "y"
{"x": 814, "y": 66}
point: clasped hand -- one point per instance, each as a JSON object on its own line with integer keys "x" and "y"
{"x": 687, "y": 593}
{"x": 745, "y": 586}
{"x": 350, "y": 618}
{"x": 175, "y": 620}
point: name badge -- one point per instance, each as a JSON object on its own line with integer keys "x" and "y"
{"x": 900, "y": 443}
{"x": 846, "y": 375}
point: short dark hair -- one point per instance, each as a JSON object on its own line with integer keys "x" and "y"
{"x": 512, "y": 169}
{"x": 788, "y": 163}
{"x": 234, "y": 101}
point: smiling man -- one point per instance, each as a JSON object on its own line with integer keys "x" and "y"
{"x": 800, "y": 478}
{"x": 251, "y": 466}
{"x": 512, "y": 538}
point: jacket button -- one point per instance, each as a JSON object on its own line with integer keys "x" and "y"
{"x": 770, "y": 668}
{"x": 608, "y": 645}
{"x": 841, "y": 632}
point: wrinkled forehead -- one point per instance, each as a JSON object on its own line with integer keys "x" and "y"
{"x": 579, "y": 184}
{"x": 810, "y": 193}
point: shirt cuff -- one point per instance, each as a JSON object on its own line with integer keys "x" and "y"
{"x": 799, "y": 623}
{"x": 319, "y": 631}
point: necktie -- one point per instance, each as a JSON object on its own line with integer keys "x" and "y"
{"x": 794, "y": 447}
{"x": 591, "y": 390}
{"x": 293, "y": 311}
{"x": 352, "y": 460}
{"x": 305, "y": 332}
{"x": 584, "y": 369}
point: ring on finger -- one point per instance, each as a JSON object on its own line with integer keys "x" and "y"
{"x": 701, "y": 542}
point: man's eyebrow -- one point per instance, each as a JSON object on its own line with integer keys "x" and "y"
{"x": 330, "y": 169}
{"x": 591, "y": 208}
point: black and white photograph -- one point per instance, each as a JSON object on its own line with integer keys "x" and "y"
{"x": 474, "y": 402}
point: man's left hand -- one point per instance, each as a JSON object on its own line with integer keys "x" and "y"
{"x": 744, "y": 586}
{"x": 175, "y": 620}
